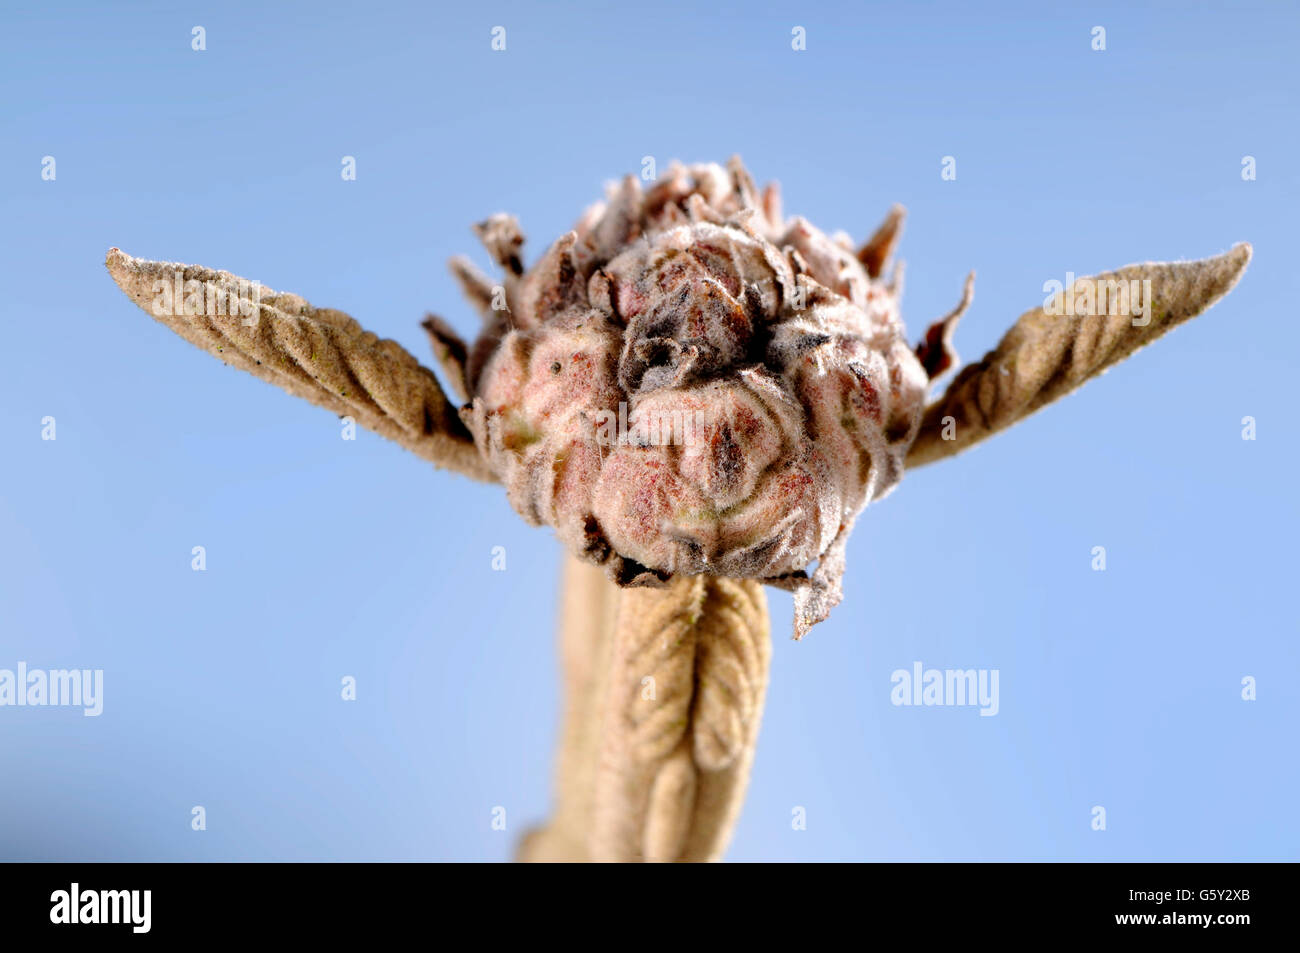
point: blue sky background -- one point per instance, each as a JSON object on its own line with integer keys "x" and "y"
{"x": 329, "y": 558}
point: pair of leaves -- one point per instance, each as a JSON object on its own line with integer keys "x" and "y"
{"x": 327, "y": 358}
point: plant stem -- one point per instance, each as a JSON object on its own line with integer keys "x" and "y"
{"x": 665, "y": 691}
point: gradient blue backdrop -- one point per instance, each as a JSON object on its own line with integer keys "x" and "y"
{"x": 328, "y": 558}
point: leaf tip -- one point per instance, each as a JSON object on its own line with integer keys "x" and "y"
{"x": 120, "y": 267}
{"x": 1240, "y": 255}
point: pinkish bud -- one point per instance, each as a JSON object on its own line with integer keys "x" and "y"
{"x": 686, "y": 383}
